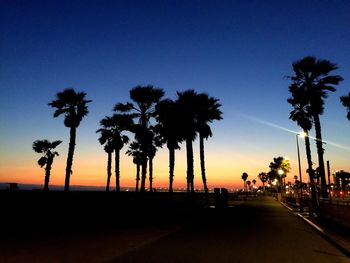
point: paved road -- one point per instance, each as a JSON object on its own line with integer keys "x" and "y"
{"x": 255, "y": 231}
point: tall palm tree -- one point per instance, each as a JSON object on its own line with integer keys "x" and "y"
{"x": 46, "y": 147}
{"x": 112, "y": 134}
{"x": 301, "y": 114}
{"x": 313, "y": 77}
{"x": 208, "y": 110}
{"x": 187, "y": 103}
{"x": 135, "y": 152}
{"x": 144, "y": 100}
{"x": 169, "y": 122}
{"x": 73, "y": 106}
{"x": 345, "y": 100}
{"x": 244, "y": 178}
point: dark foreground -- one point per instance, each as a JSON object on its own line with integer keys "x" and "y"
{"x": 256, "y": 230}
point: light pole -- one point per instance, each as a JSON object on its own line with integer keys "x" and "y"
{"x": 301, "y": 182}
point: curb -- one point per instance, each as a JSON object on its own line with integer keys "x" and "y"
{"x": 322, "y": 233}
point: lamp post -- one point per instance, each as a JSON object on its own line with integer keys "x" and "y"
{"x": 302, "y": 134}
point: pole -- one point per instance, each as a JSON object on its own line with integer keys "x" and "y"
{"x": 300, "y": 179}
{"x": 329, "y": 179}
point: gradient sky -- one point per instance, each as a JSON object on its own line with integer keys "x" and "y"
{"x": 237, "y": 51}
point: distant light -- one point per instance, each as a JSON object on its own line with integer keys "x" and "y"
{"x": 280, "y": 172}
{"x": 302, "y": 134}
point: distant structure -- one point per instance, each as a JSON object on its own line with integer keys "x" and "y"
{"x": 342, "y": 180}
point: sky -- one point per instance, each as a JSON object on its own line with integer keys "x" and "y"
{"x": 239, "y": 52}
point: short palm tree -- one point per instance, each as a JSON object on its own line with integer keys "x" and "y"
{"x": 244, "y": 178}
{"x": 169, "y": 122}
{"x": 187, "y": 107}
{"x": 345, "y": 100}
{"x": 279, "y": 168}
{"x": 135, "y": 152}
{"x": 112, "y": 129}
{"x": 313, "y": 77}
{"x": 46, "y": 147}
{"x": 73, "y": 106}
{"x": 144, "y": 100}
{"x": 263, "y": 178}
{"x": 208, "y": 110}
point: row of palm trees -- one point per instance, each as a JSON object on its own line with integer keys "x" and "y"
{"x": 152, "y": 120}
{"x": 310, "y": 84}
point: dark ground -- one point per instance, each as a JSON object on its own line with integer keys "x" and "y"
{"x": 102, "y": 227}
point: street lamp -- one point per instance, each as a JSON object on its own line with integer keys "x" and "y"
{"x": 302, "y": 135}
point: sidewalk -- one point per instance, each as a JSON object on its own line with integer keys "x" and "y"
{"x": 338, "y": 235}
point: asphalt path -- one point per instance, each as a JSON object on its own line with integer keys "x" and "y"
{"x": 260, "y": 230}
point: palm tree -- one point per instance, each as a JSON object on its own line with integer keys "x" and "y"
{"x": 207, "y": 111}
{"x": 73, "y": 106}
{"x": 46, "y": 147}
{"x": 244, "y": 178}
{"x": 112, "y": 134}
{"x": 345, "y": 100}
{"x": 145, "y": 99}
{"x": 279, "y": 168}
{"x": 254, "y": 182}
{"x": 169, "y": 122}
{"x": 187, "y": 103}
{"x": 263, "y": 178}
{"x": 301, "y": 114}
{"x": 248, "y": 185}
{"x": 312, "y": 77}
{"x": 135, "y": 152}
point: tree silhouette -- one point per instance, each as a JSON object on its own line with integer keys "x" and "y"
{"x": 46, "y": 147}
{"x": 135, "y": 151}
{"x": 301, "y": 114}
{"x": 187, "y": 103}
{"x": 169, "y": 122}
{"x": 73, "y": 106}
{"x": 345, "y": 100}
{"x": 244, "y": 178}
{"x": 279, "y": 168}
{"x": 208, "y": 110}
{"x": 112, "y": 129}
{"x": 263, "y": 178}
{"x": 144, "y": 98}
{"x": 313, "y": 77}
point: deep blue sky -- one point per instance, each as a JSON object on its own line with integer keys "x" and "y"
{"x": 237, "y": 51}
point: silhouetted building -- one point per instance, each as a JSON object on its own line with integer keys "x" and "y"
{"x": 342, "y": 180}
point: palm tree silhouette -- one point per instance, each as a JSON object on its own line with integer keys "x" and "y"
{"x": 135, "y": 152}
{"x": 111, "y": 135}
{"x": 244, "y": 178}
{"x": 169, "y": 122}
{"x": 46, "y": 147}
{"x": 187, "y": 102}
{"x": 279, "y": 164}
{"x": 73, "y": 106}
{"x": 263, "y": 178}
{"x": 207, "y": 111}
{"x": 345, "y": 100}
{"x": 301, "y": 114}
{"x": 313, "y": 77}
{"x": 145, "y": 99}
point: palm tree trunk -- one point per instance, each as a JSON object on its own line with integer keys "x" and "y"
{"x": 171, "y": 168}
{"x": 320, "y": 152}
{"x": 71, "y": 147}
{"x": 117, "y": 170}
{"x": 137, "y": 177}
{"x": 109, "y": 170}
{"x": 310, "y": 171}
{"x": 143, "y": 173}
{"x": 190, "y": 171}
{"x": 202, "y": 160}
{"x": 47, "y": 173}
{"x": 151, "y": 174}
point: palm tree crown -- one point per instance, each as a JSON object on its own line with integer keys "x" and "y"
{"x": 345, "y": 100}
